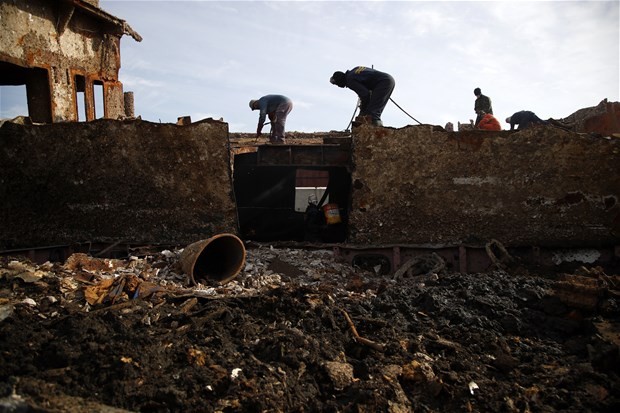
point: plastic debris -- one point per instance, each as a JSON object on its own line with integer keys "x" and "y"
{"x": 29, "y": 301}
{"x": 472, "y": 386}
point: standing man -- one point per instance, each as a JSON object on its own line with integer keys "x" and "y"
{"x": 524, "y": 119}
{"x": 373, "y": 87}
{"x": 277, "y": 107}
{"x": 482, "y": 105}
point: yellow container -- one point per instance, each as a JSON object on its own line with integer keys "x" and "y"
{"x": 332, "y": 214}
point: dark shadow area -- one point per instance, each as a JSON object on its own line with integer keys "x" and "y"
{"x": 266, "y": 202}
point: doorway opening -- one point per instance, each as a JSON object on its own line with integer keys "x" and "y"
{"x": 287, "y": 203}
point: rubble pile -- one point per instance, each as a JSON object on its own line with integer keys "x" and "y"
{"x": 297, "y": 330}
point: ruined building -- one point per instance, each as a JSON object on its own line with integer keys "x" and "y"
{"x": 68, "y": 186}
{"x": 399, "y": 191}
{"x": 67, "y": 54}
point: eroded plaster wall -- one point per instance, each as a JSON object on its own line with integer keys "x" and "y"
{"x": 66, "y": 42}
{"x": 107, "y": 180}
{"x": 542, "y": 186}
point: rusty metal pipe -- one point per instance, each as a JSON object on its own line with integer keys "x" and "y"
{"x": 219, "y": 258}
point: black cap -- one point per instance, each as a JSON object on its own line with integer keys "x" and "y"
{"x": 477, "y": 91}
{"x": 338, "y": 79}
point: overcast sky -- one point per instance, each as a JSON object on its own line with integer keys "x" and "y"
{"x": 209, "y": 58}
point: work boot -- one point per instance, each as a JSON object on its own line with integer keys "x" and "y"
{"x": 377, "y": 122}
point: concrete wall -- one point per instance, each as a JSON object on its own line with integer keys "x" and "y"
{"x": 65, "y": 41}
{"x": 143, "y": 182}
{"x": 109, "y": 180}
{"x": 542, "y": 186}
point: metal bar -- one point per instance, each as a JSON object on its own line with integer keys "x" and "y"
{"x": 462, "y": 259}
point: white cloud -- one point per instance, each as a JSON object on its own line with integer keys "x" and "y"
{"x": 135, "y": 81}
{"x": 430, "y": 21}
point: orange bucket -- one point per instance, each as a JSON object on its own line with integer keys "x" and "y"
{"x": 332, "y": 214}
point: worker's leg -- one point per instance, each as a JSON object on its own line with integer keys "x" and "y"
{"x": 281, "y": 113}
{"x": 379, "y": 98}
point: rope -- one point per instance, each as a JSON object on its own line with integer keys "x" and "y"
{"x": 358, "y": 105}
{"x": 405, "y": 111}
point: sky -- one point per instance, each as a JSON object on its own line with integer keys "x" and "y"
{"x": 209, "y": 58}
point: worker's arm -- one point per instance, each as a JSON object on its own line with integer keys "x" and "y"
{"x": 261, "y": 117}
{"x": 516, "y": 119}
{"x": 361, "y": 90}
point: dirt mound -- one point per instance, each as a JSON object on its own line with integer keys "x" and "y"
{"x": 297, "y": 331}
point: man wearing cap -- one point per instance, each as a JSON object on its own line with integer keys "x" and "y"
{"x": 373, "y": 87}
{"x": 482, "y": 105}
{"x": 524, "y": 119}
{"x": 277, "y": 107}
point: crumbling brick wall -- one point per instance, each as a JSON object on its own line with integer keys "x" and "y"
{"x": 541, "y": 186}
{"x": 603, "y": 119}
{"x": 106, "y": 180}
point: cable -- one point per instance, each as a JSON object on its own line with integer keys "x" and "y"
{"x": 352, "y": 117}
{"x": 405, "y": 112}
{"x": 358, "y": 104}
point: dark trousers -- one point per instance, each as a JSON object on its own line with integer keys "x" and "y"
{"x": 278, "y": 123}
{"x": 379, "y": 98}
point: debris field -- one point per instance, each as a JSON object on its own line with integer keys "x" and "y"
{"x": 300, "y": 331}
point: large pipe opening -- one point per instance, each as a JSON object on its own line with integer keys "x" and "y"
{"x": 219, "y": 258}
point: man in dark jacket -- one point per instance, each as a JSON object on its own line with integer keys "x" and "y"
{"x": 524, "y": 119}
{"x": 277, "y": 107}
{"x": 373, "y": 87}
{"x": 482, "y": 105}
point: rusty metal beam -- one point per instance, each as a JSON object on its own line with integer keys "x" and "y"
{"x": 472, "y": 259}
{"x": 304, "y": 155}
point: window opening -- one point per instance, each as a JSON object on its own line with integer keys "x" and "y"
{"x": 310, "y": 185}
{"x": 13, "y": 101}
{"x": 99, "y": 100}
{"x": 80, "y": 98}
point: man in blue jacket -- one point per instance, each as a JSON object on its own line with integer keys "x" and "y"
{"x": 277, "y": 107}
{"x": 373, "y": 87}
